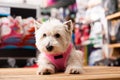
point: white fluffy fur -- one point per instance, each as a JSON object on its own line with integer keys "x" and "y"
{"x": 50, "y": 28}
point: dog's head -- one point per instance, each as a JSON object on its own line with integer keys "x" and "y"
{"x": 53, "y": 36}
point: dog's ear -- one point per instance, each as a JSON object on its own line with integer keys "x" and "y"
{"x": 68, "y": 25}
{"x": 37, "y": 25}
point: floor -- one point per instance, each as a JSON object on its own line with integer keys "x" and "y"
{"x": 91, "y": 73}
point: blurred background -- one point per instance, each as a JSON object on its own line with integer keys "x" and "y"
{"x": 96, "y": 29}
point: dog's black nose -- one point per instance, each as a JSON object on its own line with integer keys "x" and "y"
{"x": 49, "y": 48}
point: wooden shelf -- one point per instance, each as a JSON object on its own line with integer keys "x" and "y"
{"x": 22, "y": 6}
{"x": 117, "y": 45}
{"x": 91, "y": 73}
{"x": 115, "y": 52}
{"x": 113, "y": 16}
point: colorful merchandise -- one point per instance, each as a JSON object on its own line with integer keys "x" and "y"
{"x": 28, "y": 30}
{"x": 11, "y": 31}
{"x": 17, "y": 32}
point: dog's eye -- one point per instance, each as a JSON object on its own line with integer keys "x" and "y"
{"x": 44, "y": 35}
{"x": 57, "y": 35}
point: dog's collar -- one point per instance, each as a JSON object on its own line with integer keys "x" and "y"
{"x": 60, "y": 60}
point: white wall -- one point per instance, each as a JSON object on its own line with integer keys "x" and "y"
{"x": 12, "y": 1}
{"x": 42, "y": 3}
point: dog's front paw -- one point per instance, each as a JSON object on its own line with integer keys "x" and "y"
{"x": 45, "y": 71}
{"x": 74, "y": 70}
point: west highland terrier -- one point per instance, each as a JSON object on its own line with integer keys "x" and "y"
{"x": 57, "y": 53}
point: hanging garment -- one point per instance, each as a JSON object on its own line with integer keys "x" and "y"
{"x": 111, "y": 6}
{"x": 96, "y": 15}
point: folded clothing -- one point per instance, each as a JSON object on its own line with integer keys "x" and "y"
{"x": 11, "y": 31}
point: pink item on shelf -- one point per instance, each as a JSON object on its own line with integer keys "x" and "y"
{"x": 77, "y": 36}
{"x": 11, "y": 31}
{"x": 28, "y": 26}
{"x": 85, "y": 32}
{"x": 50, "y": 2}
{"x": 59, "y": 60}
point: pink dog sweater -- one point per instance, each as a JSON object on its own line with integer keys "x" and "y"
{"x": 60, "y": 60}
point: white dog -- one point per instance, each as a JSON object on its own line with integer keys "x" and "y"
{"x": 53, "y": 40}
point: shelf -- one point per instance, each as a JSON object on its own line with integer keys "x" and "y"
{"x": 117, "y": 45}
{"x": 113, "y": 16}
{"x": 19, "y": 5}
{"x": 23, "y": 6}
{"x": 17, "y": 53}
{"x": 17, "y": 58}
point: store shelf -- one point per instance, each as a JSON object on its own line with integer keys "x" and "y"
{"x": 110, "y": 17}
{"x": 18, "y": 53}
{"x": 23, "y": 6}
{"x": 19, "y": 5}
{"x": 113, "y": 16}
{"x": 117, "y": 45}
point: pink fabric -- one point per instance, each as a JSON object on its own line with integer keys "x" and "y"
{"x": 85, "y": 32}
{"x": 15, "y": 31}
{"x": 60, "y": 63}
{"x": 50, "y": 2}
{"x": 77, "y": 36}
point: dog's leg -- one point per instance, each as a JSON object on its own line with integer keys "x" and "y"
{"x": 44, "y": 66}
{"x": 74, "y": 64}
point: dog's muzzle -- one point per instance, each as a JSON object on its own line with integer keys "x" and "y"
{"x": 49, "y": 48}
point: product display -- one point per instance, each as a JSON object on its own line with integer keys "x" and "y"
{"x": 17, "y": 32}
{"x": 11, "y": 30}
